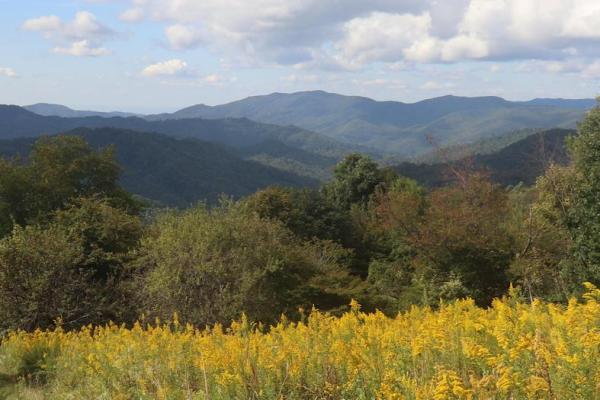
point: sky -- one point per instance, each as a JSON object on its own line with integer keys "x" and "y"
{"x": 162, "y": 55}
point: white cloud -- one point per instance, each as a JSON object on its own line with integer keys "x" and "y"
{"x": 424, "y": 50}
{"x": 132, "y": 15}
{"x": 175, "y": 67}
{"x": 517, "y": 29}
{"x": 82, "y": 36}
{"x": 82, "y": 49}
{"x": 49, "y": 23}
{"x": 434, "y": 85}
{"x": 583, "y": 68}
{"x": 285, "y": 32}
{"x": 381, "y": 83}
{"x": 332, "y": 34}
{"x": 183, "y": 37}
{"x": 302, "y": 78}
{"x": 214, "y": 79}
{"x": 464, "y": 47}
{"x": 84, "y": 25}
{"x": 431, "y": 85}
{"x": 382, "y": 36}
{"x": 583, "y": 20}
{"x": 8, "y": 72}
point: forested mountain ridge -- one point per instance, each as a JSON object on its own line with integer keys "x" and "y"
{"x": 394, "y": 127}
{"x": 181, "y": 171}
{"x": 305, "y": 157}
{"x": 459, "y": 151}
{"x": 59, "y": 110}
{"x": 285, "y": 147}
{"x": 16, "y": 122}
{"x": 581, "y": 104}
{"x": 520, "y": 162}
{"x": 175, "y": 172}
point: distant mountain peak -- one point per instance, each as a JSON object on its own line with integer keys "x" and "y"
{"x": 578, "y": 104}
{"x": 394, "y": 127}
{"x": 59, "y": 110}
{"x": 48, "y": 105}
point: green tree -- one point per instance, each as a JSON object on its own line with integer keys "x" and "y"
{"x": 356, "y": 178}
{"x": 108, "y": 234}
{"x": 451, "y": 242}
{"x": 583, "y": 215}
{"x": 307, "y": 213}
{"x": 544, "y": 265}
{"x": 210, "y": 265}
{"x": 58, "y": 170}
{"x": 41, "y": 279}
{"x": 397, "y": 215}
{"x": 464, "y": 247}
{"x": 15, "y": 195}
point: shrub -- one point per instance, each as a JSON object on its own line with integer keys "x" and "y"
{"x": 70, "y": 268}
{"x": 209, "y": 266}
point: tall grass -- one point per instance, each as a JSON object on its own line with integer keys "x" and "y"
{"x": 513, "y": 350}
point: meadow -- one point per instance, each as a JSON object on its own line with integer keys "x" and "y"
{"x": 512, "y": 350}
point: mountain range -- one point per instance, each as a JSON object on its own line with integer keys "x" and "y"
{"x": 390, "y": 128}
{"x": 201, "y": 152}
{"x": 396, "y": 128}
{"x": 58, "y": 110}
{"x": 182, "y": 171}
{"x": 289, "y": 148}
{"x": 519, "y": 162}
{"x": 175, "y": 172}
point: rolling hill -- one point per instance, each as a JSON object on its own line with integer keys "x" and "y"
{"x": 191, "y": 159}
{"x": 459, "y": 151}
{"x": 285, "y": 147}
{"x": 58, "y": 110}
{"x": 393, "y": 127}
{"x": 520, "y": 162}
{"x": 175, "y": 172}
{"x": 579, "y": 104}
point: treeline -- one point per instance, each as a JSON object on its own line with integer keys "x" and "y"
{"x": 77, "y": 249}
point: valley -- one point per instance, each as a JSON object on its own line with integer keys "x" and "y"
{"x": 296, "y": 139}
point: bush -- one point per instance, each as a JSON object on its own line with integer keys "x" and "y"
{"x": 209, "y": 266}
{"x": 41, "y": 278}
{"x": 70, "y": 269}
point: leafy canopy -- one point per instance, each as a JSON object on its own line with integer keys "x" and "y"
{"x": 58, "y": 170}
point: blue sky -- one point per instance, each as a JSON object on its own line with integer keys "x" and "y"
{"x": 161, "y": 55}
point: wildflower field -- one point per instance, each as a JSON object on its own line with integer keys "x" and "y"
{"x": 513, "y": 350}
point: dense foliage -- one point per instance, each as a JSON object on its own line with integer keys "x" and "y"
{"x": 58, "y": 170}
{"x": 71, "y": 268}
{"x": 208, "y": 265}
